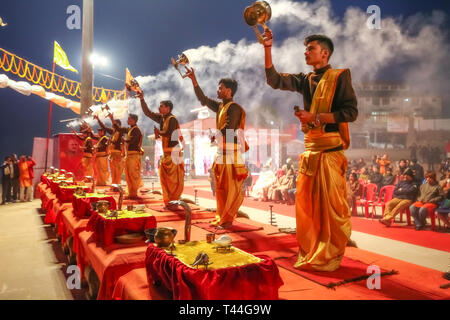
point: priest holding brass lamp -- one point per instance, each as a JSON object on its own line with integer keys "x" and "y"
{"x": 322, "y": 212}
{"x": 171, "y": 169}
{"x": 228, "y": 169}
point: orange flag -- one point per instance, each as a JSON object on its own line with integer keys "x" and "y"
{"x": 130, "y": 83}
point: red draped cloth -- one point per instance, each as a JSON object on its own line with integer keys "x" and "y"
{"x": 257, "y": 281}
{"x": 65, "y": 195}
{"x": 106, "y": 229}
{"x": 82, "y": 207}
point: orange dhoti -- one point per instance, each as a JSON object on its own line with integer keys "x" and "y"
{"x": 116, "y": 164}
{"x": 133, "y": 172}
{"x": 87, "y": 165}
{"x": 171, "y": 175}
{"x": 101, "y": 162}
{"x": 229, "y": 176}
{"x": 322, "y": 211}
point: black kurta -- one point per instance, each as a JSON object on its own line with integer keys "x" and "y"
{"x": 234, "y": 113}
{"x": 344, "y": 106}
{"x": 117, "y": 143}
{"x": 135, "y": 138}
{"x": 159, "y": 118}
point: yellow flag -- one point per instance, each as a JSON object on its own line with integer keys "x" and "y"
{"x": 60, "y": 58}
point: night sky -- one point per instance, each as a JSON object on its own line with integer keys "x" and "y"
{"x": 139, "y": 34}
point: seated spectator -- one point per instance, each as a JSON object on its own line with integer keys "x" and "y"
{"x": 376, "y": 177}
{"x": 443, "y": 212}
{"x": 418, "y": 169}
{"x": 261, "y": 186}
{"x": 402, "y": 166}
{"x": 444, "y": 167}
{"x": 431, "y": 194}
{"x": 445, "y": 185}
{"x": 273, "y": 194}
{"x": 361, "y": 163}
{"x": 384, "y": 162}
{"x": 364, "y": 175}
{"x": 286, "y": 183}
{"x": 388, "y": 178}
{"x": 354, "y": 191}
{"x": 405, "y": 193}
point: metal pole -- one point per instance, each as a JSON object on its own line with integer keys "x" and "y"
{"x": 49, "y": 121}
{"x": 86, "y": 51}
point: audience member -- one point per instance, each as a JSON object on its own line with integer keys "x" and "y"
{"x": 388, "y": 178}
{"x": 405, "y": 193}
{"x": 402, "y": 166}
{"x": 25, "y": 181}
{"x": 376, "y": 177}
{"x": 361, "y": 163}
{"x": 7, "y": 174}
{"x": 431, "y": 194}
{"x": 413, "y": 151}
{"x": 15, "y": 182}
{"x": 384, "y": 162}
{"x": 354, "y": 192}
{"x": 364, "y": 175}
{"x": 419, "y": 172}
{"x": 261, "y": 186}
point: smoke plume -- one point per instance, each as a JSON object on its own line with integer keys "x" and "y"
{"x": 411, "y": 50}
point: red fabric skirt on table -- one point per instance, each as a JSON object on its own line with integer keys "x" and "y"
{"x": 257, "y": 281}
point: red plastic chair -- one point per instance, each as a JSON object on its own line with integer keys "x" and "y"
{"x": 388, "y": 194}
{"x": 432, "y": 215}
{"x": 408, "y": 215}
{"x": 358, "y": 202}
{"x": 369, "y": 197}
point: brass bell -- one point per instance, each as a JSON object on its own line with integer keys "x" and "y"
{"x": 258, "y": 13}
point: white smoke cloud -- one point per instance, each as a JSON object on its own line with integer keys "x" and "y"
{"x": 417, "y": 42}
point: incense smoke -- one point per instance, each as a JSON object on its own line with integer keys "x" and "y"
{"x": 410, "y": 50}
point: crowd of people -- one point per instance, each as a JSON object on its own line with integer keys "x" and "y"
{"x": 17, "y": 179}
{"x": 414, "y": 189}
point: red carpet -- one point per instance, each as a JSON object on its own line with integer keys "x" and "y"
{"x": 350, "y": 271}
{"x": 426, "y": 238}
{"x": 236, "y": 227}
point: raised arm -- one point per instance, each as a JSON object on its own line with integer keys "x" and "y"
{"x": 102, "y": 125}
{"x": 282, "y": 81}
{"x": 77, "y": 134}
{"x": 116, "y": 126}
{"x": 204, "y": 100}
{"x": 152, "y": 115}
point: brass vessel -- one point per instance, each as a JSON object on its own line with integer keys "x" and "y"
{"x": 164, "y": 236}
{"x": 102, "y": 206}
{"x": 183, "y": 61}
{"x": 258, "y": 13}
